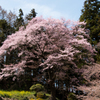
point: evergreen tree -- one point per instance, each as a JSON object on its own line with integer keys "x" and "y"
{"x": 19, "y": 21}
{"x": 31, "y": 15}
{"x": 91, "y": 15}
{"x": 5, "y": 30}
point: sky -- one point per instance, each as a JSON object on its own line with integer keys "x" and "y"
{"x": 68, "y": 9}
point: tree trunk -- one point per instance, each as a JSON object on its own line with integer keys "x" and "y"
{"x": 52, "y": 86}
{"x": 53, "y": 92}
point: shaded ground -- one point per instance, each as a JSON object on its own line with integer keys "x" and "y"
{"x": 92, "y": 90}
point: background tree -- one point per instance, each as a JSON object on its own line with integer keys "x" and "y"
{"x": 3, "y": 13}
{"x": 19, "y": 21}
{"x": 11, "y": 18}
{"x": 49, "y": 47}
{"x": 5, "y": 30}
{"x": 31, "y": 15}
{"x": 91, "y": 15}
{"x": 6, "y": 24}
{"x": 9, "y": 23}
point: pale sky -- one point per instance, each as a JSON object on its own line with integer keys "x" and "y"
{"x": 68, "y": 9}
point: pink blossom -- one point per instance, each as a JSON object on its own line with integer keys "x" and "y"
{"x": 57, "y": 41}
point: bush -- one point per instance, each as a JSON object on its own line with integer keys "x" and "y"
{"x": 37, "y": 87}
{"x": 41, "y": 95}
{"x": 72, "y": 96}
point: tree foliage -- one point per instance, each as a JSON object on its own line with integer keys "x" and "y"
{"x": 19, "y": 21}
{"x": 10, "y": 16}
{"x": 6, "y": 24}
{"x": 37, "y": 87}
{"x": 51, "y": 48}
{"x": 31, "y": 15}
{"x": 7, "y": 27}
{"x": 9, "y": 23}
{"x": 91, "y": 15}
{"x": 4, "y": 30}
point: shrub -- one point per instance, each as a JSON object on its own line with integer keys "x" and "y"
{"x": 41, "y": 95}
{"x": 37, "y": 87}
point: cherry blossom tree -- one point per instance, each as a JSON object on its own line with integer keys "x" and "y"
{"x": 50, "y": 45}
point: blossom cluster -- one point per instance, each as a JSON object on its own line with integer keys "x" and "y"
{"x": 57, "y": 41}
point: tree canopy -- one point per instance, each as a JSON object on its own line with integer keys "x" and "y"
{"x": 91, "y": 15}
{"x": 31, "y": 15}
{"x": 52, "y": 46}
{"x": 19, "y": 21}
